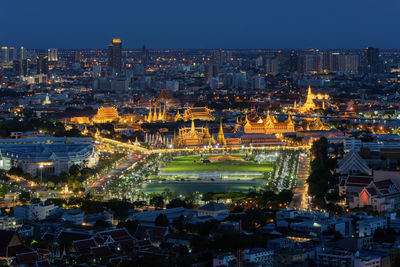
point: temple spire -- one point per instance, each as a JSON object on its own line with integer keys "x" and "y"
{"x": 150, "y": 116}
{"x": 192, "y": 129}
{"x": 221, "y": 137}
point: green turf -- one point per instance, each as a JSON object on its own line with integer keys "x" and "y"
{"x": 192, "y": 163}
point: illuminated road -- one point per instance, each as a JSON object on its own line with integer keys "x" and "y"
{"x": 300, "y": 194}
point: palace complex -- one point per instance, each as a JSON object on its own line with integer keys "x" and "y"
{"x": 198, "y": 113}
{"x": 269, "y": 125}
{"x": 106, "y": 115}
{"x": 193, "y": 136}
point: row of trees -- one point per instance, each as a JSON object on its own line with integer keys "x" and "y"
{"x": 322, "y": 178}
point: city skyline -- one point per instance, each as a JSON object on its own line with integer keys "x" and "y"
{"x": 210, "y": 25}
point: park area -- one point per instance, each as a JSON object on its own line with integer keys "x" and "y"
{"x": 210, "y": 163}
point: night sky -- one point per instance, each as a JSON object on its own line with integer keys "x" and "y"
{"x": 200, "y": 24}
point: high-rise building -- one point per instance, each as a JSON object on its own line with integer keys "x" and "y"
{"x": 144, "y": 56}
{"x": 78, "y": 56}
{"x": 52, "y": 54}
{"x": 12, "y": 54}
{"x": 115, "y": 57}
{"x": 371, "y": 56}
{"x": 219, "y": 56}
{"x": 41, "y": 65}
{"x": 4, "y": 54}
{"x": 349, "y": 62}
{"x": 210, "y": 71}
{"x": 21, "y": 55}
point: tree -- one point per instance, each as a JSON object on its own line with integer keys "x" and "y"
{"x": 3, "y": 191}
{"x": 101, "y": 223}
{"x": 157, "y": 201}
{"x": 176, "y": 203}
{"x": 24, "y": 197}
{"x": 161, "y": 220}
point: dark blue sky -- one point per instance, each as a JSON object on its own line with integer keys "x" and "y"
{"x": 201, "y": 23}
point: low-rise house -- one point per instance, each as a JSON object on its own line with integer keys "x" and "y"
{"x": 223, "y": 259}
{"x": 11, "y": 245}
{"x": 74, "y": 216}
{"x": 213, "y": 209}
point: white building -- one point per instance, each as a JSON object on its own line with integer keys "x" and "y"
{"x": 33, "y": 212}
{"x": 370, "y": 261}
{"x": 329, "y": 257}
{"x": 262, "y": 256}
{"x": 52, "y": 54}
{"x": 47, "y": 155}
{"x": 367, "y": 226}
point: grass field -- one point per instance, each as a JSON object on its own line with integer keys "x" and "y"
{"x": 199, "y": 187}
{"x": 192, "y": 163}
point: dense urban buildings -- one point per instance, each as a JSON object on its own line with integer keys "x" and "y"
{"x": 125, "y": 151}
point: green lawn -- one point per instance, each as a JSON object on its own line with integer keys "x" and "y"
{"x": 192, "y": 163}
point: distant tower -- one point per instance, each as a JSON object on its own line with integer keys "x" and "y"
{"x": 115, "y": 57}
{"x": 144, "y": 56}
{"x": 371, "y": 56}
{"x": 4, "y": 54}
{"x": 52, "y": 54}
{"x": 41, "y": 65}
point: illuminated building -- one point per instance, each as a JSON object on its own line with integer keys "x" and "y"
{"x": 80, "y": 120}
{"x": 269, "y": 126}
{"x": 46, "y": 101}
{"x": 318, "y": 125}
{"x": 309, "y": 105}
{"x": 41, "y": 65}
{"x": 52, "y": 54}
{"x": 156, "y": 114}
{"x": 106, "y": 115}
{"x": 47, "y": 155}
{"x": 381, "y": 195}
{"x": 115, "y": 57}
{"x": 198, "y": 113}
{"x": 178, "y": 116}
{"x": 193, "y": 136}
{"x": 221, "y": 137}
{"x": 4, "y": 54}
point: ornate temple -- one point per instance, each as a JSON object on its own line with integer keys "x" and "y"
{"x": 309, "y": 105}
{"x": 156, "y": 113}
{"x": 198, "y": 113}
{"x": 269, "y": 125}
{"x": 178, "y": 116}
{"x": 318, "y": 125}
{"x": 193, "y": 136}
{"x": 106, "y": 115}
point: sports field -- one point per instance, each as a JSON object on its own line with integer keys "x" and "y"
{"x": 193, "y": 163}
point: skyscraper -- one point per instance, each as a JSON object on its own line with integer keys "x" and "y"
{"x": 4, "y": 54}
{"x": 144, "y": 56}
{"x": 41, "y": 65}
{"x": 21, "y": 55}
{"x": 12, "y": 54}
{"x": 115, "y": 57}
{"x": 371, "y": 56}
{"x": 52, "y": 54}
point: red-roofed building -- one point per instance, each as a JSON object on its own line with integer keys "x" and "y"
{"x": 381, "y": 195}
